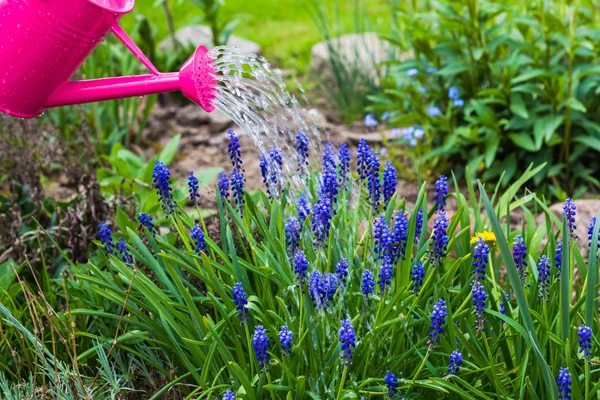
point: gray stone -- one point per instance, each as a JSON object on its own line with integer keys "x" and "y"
{"x": 359, "y": 50}
{"x": 194, "y": 115}
{"x": 197, "y": 35}
{"x": 372, "y": 138}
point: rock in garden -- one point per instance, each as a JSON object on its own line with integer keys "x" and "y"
{"x": 193, "y": 115}
{"x": 196, "y": 35}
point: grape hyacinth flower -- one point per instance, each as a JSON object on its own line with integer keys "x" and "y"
{"x": 434, "y": 111}
{"x": 520, "y": 257}
{"x": 570, "y": 210}
{"x": 458, "y": 103}
{"x": 439, "y": 242}
{"x": 124, "y": 251}
{"x": 237, "y": 188}
{"x": 300, "y": 267}
{"x": 145, "y": 221}
{"x": 270, "y": 169}
{"x": 480, "y": 259}
{"x": 260, "y": 341}
{"x": 193, "y": 186}
{"x": 564, "y": 384}
{"x": 330, "y": 284}
{"x": 241, "y": 301}
{"x": 302, "y": 150}
{"x": 543, "y": 277}
{"x": 229, "y": 395}
{"x": 285, "y": 338}
{"x": 453, "y": 93}
{"x": 386, "y": 115}
{"x": 479, "y": 298}
{"x": 329, "y": 180}
{"x": 362, "y": 161}
{"x": 558, "y": 258}
{"x": 456, "y": 360}
{"x": 417, "y": 274}
{"x": 321, "y": 221}
{"x": 347, "y": 339}
{"x": 223, "y": 185}
{"x": 391, "y": 381}
{"x": 441, "y": 192}
{"x": 432, "y": 70}
{"x": 160, "y": 179}
{"x": 381, "y": 238}
{"x": 318, "y": 290}
{"x": 292, "y": 234}
{"x": 399, "y": 237}
{"x": 412, "y": 72}
{"x": 503, "y": 298}
{"x": 418, "y": 225}
{"x": 385, "y": 274}
{"x": 585, "y": 341}
{"x": 373, "y": 180}
{"x": 390, "y": 179}
{"x": 368, "y": 284}
{"x": 438, "y": 320}
{"x": 197, "y": 236}
{"x": 341, "y": 271}
{"x": 105, "y": 234}
{"x": 233, "y": 148}
{"x": 303, "y": 208}
{"x": 371, "y": 121}
{"x": 591, "y": 233}
{"x": 344, "y": 166}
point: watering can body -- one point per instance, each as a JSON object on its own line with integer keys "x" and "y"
{"x": 43, "y": 42}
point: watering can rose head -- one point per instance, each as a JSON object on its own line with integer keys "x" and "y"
{"x": 67, "y": 31}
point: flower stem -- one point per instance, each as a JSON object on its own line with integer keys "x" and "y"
{"x": 341, "y": 388}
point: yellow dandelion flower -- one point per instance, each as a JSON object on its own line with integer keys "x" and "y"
{"x": 489, "y": 237}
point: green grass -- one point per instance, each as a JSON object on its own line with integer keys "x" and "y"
{"x": 283, "y": 28}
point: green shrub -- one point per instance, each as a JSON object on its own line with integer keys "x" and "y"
{"x": 529, "y": 78}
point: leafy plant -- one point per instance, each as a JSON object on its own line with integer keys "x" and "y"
{"x": 497, "y": 85}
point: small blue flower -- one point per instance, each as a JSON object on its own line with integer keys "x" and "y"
{"x": 362, "y": 161}
{"x": 564, "y": 384}
{"x": 458, "y": 103}
{"x": 543, "y": 277}
{"x": 502, "y": 304}
{"x": 303, "y": 208}
{"x": 480, "y": 259}
{"x": 285, "y": 338}
{"x": 591, "y": 233}
{"x": 368, "y": 283}
{"x": 374, "y": 182}
{"x": 386, "y": 115}
{"x": 385, "y": 274}
{"x": 318, "y": 290}
{"x": 391, "y": 381}
{"x": 330, "y": 283}
{"x": 432, "y": 70}
{"x": 456, "y": 360}
{"x": 418, "y": 225}
{"x": 105, "y": 234}
{"x": 124, "y": 251}
{"x": 145, "y": 221}
{"x": 371, "y": 121}
{"x": 223, "y": 185}
{"x": 570, "y": 210}
{"x": 347, "y": 339}
{"x": 229, "y": 395}
{"x": 237, "y": 188}
{"x": 441, "y": 192}
{"x": 439, "y": 238}
{"x": 302, "y": 150}
{"x": 417, "y": 274}
{"x": 453, "y": 93}
{"x": 329, "y": 180}
{"x": 260, "y": 341}
{"x": 300, "y": 266}
{"x": 479, "y": 298}
{"x": 390, "y": 180}
{"x": 412, "y": 72}
{"x": 344, "y": 166}
{"x": 558, "y": 258}
{"x": 233, "y": 148}
{"x": 161, "y": 177}
{"x": 292, "y": 234}
{"x": 270, "y": 168}
{"x": 193, "y": 185}
{"x": 520, "y": 257}
{"x": 434, "y": 111}
{"x": 399, "y": 237}
{"x": 585, "y": 341}
{"x": 241, "y": 301}
{"x": 381, "y": 238}
{"x": 321, "y": 221}
{"x": 341, "y": 271}
{"x": 438, "y": 320}
{"x": 197, "y": 236}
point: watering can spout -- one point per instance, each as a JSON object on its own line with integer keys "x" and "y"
{"x": 33, "y": 78}
{"x": 196, "y": 80}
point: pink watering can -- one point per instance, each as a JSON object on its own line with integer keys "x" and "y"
{"x": 43, "y": 42}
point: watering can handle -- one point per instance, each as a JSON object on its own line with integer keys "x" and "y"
{"x": 130, "y": 44}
